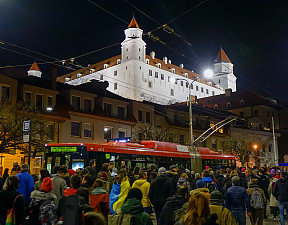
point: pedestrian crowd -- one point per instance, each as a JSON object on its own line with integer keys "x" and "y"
{"x": 122, "y": 196}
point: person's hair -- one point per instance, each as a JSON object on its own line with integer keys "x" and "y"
{"x": 93, "y": 218}
{"x": 105, "y": 166}
{"x": 284, "y": 174}
{"x": 198, "y": 210}
{"x": 92, "y": 162}
{"x": 55, "y": 169}
{"x": 235, "y": 180}
{"x": 84, "y": 172}
{"x": 89, "y": 180}
{"x": 228, "y": 170}
{"x": 184, "y": 175}
{"x": 123, "y": 166}
{"x": 98, "y": 183}
{"x": 233, "y": 173}
{"x": 61, "y": 170}
{"x": 143, "y": 175}
{"x": 35, "y": 178}
{"x": 137, "y": 170}
{"x": 11, "y": 183}
{"x": 25, "y": 167}
{"x": 197, "y": 175}
{"x": 75, "y": 181}
{"x": 84, "y": 195}
{"x": 183, "y": 190}
{"x": 205, "y": 173}
{"x": 44, "y": 173}
{"x": 121, "y": 176}
{"x": 6, "y": 171}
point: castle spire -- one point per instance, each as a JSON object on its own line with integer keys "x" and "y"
{"x": 222, "y": 57}
{"x": 133, "y": 23}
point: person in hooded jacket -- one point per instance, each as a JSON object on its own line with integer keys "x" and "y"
{"x": 75, "y": 184}
{"x": 43, "y": 173}
{"x": 4, "y": 177}
{"x": 225, "y": 217}
{"x": 46, "y": 201}
{"x": 207, "y": 179}
{"x": 183, "y": 181}
{"x": 98, "y": 195}
{"x": 273, "y": 203}
{"x": 134, "y": 207}
{"x": 144, "y": 187}
{"x": 173, "y": 203}
{"x": 197, "y": 177}
{"x": 280, "y": 190}
{"x": 174, "y": 176}
{"x": 161, "y": 189}
{"x": 242, "y": 177}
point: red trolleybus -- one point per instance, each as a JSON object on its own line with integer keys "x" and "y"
{"x": 78, "y": 155}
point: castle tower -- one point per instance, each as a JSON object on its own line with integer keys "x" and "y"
{"x": 223, "y": 72}
{"x": 34, "y": 71}
{"x": 133, "y": 47}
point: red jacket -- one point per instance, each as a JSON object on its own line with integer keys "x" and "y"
{"x": 70, "y": 191}
{"x": 97, "y": 196}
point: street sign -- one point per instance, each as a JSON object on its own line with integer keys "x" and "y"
{"x": 26, "y": 125}
{"x": 26, "y": 138}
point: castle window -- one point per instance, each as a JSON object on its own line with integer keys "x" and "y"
{"x": 147, "y": 61}
{"x": 213, "y": 93}
{"x": 150, "y": 84}
{"x": 139, "y": 49}
{"x": 202, "y": 89}
{"x": 207, "y": 91}
{"x": 115, "y": 73}
{"x": 150, "y": 72}
{"x": 156, "y": 74}
{"x": 181, "y": 82}
{"x": 101, "y": 77}
{"x": 187, "y": 85}
{"x": 197, "y": 88}
{"x": 191, "y": 86}
{"x": 219, "y": 81}
{"x": 228, "y": 104}
{"x": 158, "y": 65}
{"x": 139, "y": 57}
{"x": 162, "y": 76}
{"x": 172, "y": 92}
{"x": 118, "y": 61}
{"x": 185, "y": 75}
{"x": 241, "y": 102}
{"x": 172, "y": 70}
{"x": 106, "y": 66}
{"x": 216, "y": 106}
{"x": 115, "y": 86}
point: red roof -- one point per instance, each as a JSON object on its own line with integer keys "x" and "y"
{"x": 222, "y": 57}
{"x": 34, "y": 67}
{"x": 133, "y": 24}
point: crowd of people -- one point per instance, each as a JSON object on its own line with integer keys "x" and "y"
{"x": 135, "y": 196}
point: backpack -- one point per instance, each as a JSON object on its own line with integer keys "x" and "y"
{"x": 70, "y": 210}
{"x": 256, "y": 200}
{"x": 211, "y": 186}
{"x": 121, "y": 219}
{"x": 34, "y": 212}
{"x": 227, "y": 185}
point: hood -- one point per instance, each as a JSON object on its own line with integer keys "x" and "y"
{"x": 282, "y": 180}
{"x": 113, "y": 174}
{"x": 98, "y": 191}
{"x": 171, "y": 173}
{"x": 182, "y": 180}
{"x": 140, "y": 182}
{"x": 207, "y": 179}
{"x": 176, "y": 201}
{"x": 161, "y": 179}
{"x": 40, "y": 195}
{"x": 132, "y": 206}
{"x": 241, "y": 175}
{"x": 70, "y": 191}
{"x": 274, "y": 179}
{"x": 253, "y": 186}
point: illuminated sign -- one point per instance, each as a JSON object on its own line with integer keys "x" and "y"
{"x": 63, "y": 149}
{"x": 107, "y": 156}
{"x": 220, "y": 130}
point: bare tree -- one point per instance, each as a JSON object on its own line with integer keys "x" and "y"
{"x": 150, "y": 132}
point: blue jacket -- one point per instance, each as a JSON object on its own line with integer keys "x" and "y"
{"x": 208, "y": 180}
{"x": 236, "y": 198}
{"x": 280, "y": 190}
{"x": 26, "y": 185}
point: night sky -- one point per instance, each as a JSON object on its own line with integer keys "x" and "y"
{"x": 254, "y": 34}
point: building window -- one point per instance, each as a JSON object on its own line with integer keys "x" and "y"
{"x": 214, "y": 143}
{"x": 49, "y": 102}
{"x": 207, "y": 91}
{"x": 213, "y": 93}
{"x": 140, "y": 116}
{"x": 158, "y": 65}
{"x": 172, "y": 92}
{"x": 150, "y": 84}
{"x": 148, "y": 117}
{"x": 187, "y": 85}
{"x": 169, "y": 78}
{"x": 228, "y": 104}
{"x": 115, "y": 73}
{"x": 101, "y": 77}
{"x": 256, "y": 112}
{"x": 202, "y": 89}
{"x": 121, "y": 112}
{"x": 242, "y": 102}
{"x": 115, "y": 86}
{"x": 5, "y": 94}
{"x": 88, "y": 128}
{"x": 50, "y": 132}
{"x": 108, "y": 109}
{"x": 28, "y": 98}
{"x": 150, "y": 72}
{"x": 39, "y": 102}
{"x": 216, "y": 106}
{"x": 75, "y": 129}
{"x": 118, "y": 61}
{"x": 156, "y": 74}
{"x": 127, "y": 57}
{"x": 181, "y": 139}
{"x": 162, "y": 76}
{"x": 87, "y": 105}
{"x": 181, "y": 83}
{"x": 191, "y": 86}
{"x": 122, "y": 133}
{"x": 76, "y": 103}
{"x": 108, "y": 133}
{"x": 219, "y": 81}
{"x": 197, "y": 88}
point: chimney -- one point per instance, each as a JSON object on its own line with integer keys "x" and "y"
{"x": 152, "y": 54}
{"x": 169, "y": 61}
{"x": 182, "y": 65}
{"x": 165, "y": 60}
{"x": 228, "y": 92}
{"x": 53, "y": 77}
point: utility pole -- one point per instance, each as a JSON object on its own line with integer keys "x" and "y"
{"x": 274, "y": 143}
{"x": 190, "y": 117}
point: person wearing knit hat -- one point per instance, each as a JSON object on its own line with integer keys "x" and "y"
{"x": 134, "y": 207}
{"x": 71, "y": 172}
{"x": 225, "y": 217}
{"x": 45, "y": 201}
{"x": 200, "y": 184}
{"x": 162, "y": 171}
{"x": 243, "y": 170}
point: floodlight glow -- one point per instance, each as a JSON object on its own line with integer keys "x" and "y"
{"x": 49, "y": 109}
{"x": 172, "y": 80}
{"x": 208, "y": 73}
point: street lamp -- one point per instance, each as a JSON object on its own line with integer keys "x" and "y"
{"x": 255, "y": 147}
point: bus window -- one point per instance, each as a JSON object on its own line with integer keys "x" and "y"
{"x": 49, "y": 164}
{"x": 58, "y": 161}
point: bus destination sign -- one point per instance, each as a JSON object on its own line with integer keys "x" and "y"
{"x": 63, "y": 149}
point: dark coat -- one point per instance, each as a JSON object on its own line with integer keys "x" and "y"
{"x": 243, "y": 181}
{"x": 174, "y": 176}
{"x": 6, "y": 202}
{"x": 173, "y": 203}
{"x": 161, "y": 189}
{"x": 236, "y": 198}
{"x": 280, "y": 190}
